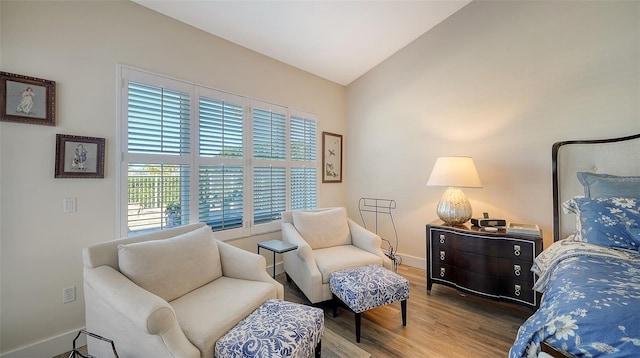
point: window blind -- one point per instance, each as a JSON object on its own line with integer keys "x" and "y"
{"x": 303, "y": 139}
{"x": 303, "y": 188}
{"x": 269, "y": 193}
{"x": 158, "y": 120}
{"x": 221, "y": 128}
{"x": 221, "y": 196}
{"x": 158, "y": 135}
{"x": 191, "y": 153}
{"x": 303, "y": 157}
{"x": 269, "y": 134}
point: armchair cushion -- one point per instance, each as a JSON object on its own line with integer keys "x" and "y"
{"x": 343, "y": 257}
{"x": 207, "y": 313}
{"x": 171, "y": 268}
{"x": 322, "y": 229}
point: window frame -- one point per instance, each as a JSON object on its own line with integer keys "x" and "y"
{"x": 194, "y": 160}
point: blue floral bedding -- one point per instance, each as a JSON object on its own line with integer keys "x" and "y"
{"x": 591, "y": 302}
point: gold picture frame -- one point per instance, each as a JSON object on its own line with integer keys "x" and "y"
{"x": 331, "y": 157}
{"x": 27, "y": 99}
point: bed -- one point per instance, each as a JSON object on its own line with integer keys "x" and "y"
{"x": 590, "y": 275}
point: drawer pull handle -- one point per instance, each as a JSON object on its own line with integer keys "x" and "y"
{"x": 441, "y": 271}
{"x": 442, "y": 254}
{"x": 517, "y": 270}
{"x": 516, "y": 250}
{"x": 517, "y": 290}
{"x": 442, "y": 238}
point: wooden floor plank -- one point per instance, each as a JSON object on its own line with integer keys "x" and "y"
{"x": 444, "y": 324}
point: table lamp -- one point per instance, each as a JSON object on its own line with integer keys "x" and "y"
{"x": 454, "y": 173}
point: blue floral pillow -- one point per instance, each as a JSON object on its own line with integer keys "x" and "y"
{"x": 607, "y": 185}
{"x": 610, "y": 222}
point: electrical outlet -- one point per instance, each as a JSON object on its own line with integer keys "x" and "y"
{"x": 69, "y": 294}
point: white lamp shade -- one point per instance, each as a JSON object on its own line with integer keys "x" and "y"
{"x": 455, "y": 172}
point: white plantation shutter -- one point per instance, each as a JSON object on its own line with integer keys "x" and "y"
{"x": 303, "y": 139}
{"x": 221, "y": 173}
{"x": 221, "y": 198}
{"x": 221, "y": 128}
{"x": 158, "y": 120}
{"x": 269, "y": 193}
{"x": 303, "y": 188}
{"x": 191, "y": 153}
{"x": 269, "y": 136}
{"x": 303, "y": 150}
{"x": 158, "y": 140}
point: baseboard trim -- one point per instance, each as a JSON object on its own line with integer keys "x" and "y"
{"x": 413, "y": 261}
{"x": 279, "y": 268}
{"x": 49, "y": 347}
{"x": 408, "y": 260}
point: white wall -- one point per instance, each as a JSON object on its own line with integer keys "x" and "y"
{"x": 500, "y": 81}
{"x": 78, "y": 45}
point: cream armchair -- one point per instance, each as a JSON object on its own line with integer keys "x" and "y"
{"x": 327, "y": 241}
{"x": 172, "y": 293}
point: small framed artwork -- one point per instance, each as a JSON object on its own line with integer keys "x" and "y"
{"x": 331, "y": 157}
{"x": 79, "y": 157}
{"x": 27, "y": 99}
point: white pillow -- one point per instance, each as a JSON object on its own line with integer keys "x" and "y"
{"x": 173, "y": 267}
{"x": 322, "y": 229}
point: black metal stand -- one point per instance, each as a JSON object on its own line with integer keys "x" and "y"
{"x": 75, "y": 353}
{"x": 382, "y": 206}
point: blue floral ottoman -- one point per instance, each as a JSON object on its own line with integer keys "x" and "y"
{"x": 367, "y": 287}
{"x": 275, "y": 329}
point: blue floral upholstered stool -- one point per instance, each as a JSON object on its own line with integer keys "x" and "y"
{"x": 275, "y": 329}
{"x": 367, "y": 287}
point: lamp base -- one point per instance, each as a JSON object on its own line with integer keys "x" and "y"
{"x": 454, "y": 207}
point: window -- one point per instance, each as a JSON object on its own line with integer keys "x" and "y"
{"x": 303, "y": 162}
{"x": 191, "y": 153}
{"x": 221, "y": 161}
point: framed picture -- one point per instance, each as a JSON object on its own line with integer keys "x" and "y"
{"x": 79, "y": 157}
{"x": 27, "y": 99}
{"x": 331, "y": 158}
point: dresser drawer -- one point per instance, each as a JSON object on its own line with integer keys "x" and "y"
{"x": 442, "y": 238}
{"x": 478, "y": 245}
{"x": 443, "y": 272}
{"x": 516, "y": 269}
{"x": 517, "y": 249}
{"x": 478, "y": 282}
{"x": 443, "y": 254}
{"x": 517, "y": 289}
{"x": 487, "y": 265}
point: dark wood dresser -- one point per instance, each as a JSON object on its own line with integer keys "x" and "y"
{"x": 491, "y": 264}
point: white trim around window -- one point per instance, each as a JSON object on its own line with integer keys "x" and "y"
{"x": 190, "y": 153}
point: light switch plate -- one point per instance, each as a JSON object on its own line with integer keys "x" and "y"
{"x": 69, "y": 205}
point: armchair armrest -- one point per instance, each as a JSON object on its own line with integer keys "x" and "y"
{"x": 147, "y": 311}
{"x": 304, "y": 251}
{"x": 301, "y": 265}
{"x": 367, "y": 241}
{"x": 242, "y": 264}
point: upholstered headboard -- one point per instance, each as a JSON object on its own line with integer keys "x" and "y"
{"x": 617, "y": 156}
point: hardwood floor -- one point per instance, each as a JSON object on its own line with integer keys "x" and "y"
{"x": 443, "y": 324}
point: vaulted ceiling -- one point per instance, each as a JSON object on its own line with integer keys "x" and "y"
{"x": 336, "y": 40}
